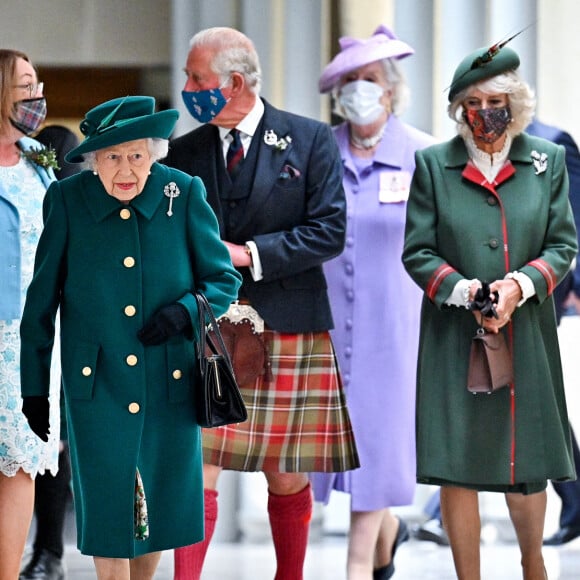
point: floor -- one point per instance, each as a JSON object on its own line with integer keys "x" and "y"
{"x": 326, "y": 561}
{"x": 326, "y": 556}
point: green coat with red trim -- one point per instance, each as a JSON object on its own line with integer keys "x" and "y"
{"x": 460, "y": 226}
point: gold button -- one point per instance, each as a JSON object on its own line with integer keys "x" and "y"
{"x": 125, "y": 214}
{"x": 87, "y": 371}
{"x": 134, "y": 408}
{"x": 129, "y": 262}
{"x": 131, "y": 360}
{"x": 177, "y": 374}
{"x": 130, "y": 310}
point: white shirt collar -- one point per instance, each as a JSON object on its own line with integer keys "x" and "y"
{"x": 249, "y": 124}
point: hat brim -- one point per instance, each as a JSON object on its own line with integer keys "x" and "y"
{"x": 157, "y": 125}
{"x": 360, "y": 55}
{"x": 474, "y": 68}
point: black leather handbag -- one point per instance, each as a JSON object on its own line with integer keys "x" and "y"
{"x": 217, "y": 397}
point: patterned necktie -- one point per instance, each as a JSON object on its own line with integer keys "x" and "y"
{"x": 235, "y": 154}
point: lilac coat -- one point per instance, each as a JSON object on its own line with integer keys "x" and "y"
{"x": 376, "y": 310}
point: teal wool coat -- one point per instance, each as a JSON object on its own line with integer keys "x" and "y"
{"x": 460, "y": 226}
{"x": 109, "y": 267}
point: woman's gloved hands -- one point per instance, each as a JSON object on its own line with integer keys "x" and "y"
{"x": 36, "y": 410}
{"x": 166, "y": 322}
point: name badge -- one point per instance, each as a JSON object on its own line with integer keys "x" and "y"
{"x": 394, "y": 186}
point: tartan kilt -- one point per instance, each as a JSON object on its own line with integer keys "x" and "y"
{"x": 298, "y": 421}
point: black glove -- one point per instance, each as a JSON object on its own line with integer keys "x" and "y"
{"x": 166, "y": 322}
{"x": 36, "y": 410}
{"x": 484, "y": 301}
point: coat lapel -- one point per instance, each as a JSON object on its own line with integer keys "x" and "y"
{"x": 45, "y": 174}
{"x": 270, "y": 160}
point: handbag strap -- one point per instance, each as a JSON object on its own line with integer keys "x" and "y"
{"x": 206, "y": 313}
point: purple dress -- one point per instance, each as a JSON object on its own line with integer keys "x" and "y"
{"x": 376, "y": 309}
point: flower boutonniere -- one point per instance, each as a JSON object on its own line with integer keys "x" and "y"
{"x": 43, "y": 157}
{"x": 540, "y": 161}
{"x": 271, "y": 139}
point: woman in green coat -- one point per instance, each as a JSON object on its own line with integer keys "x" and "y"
{"x": 124, "y": 247}
{"x": 490, "y": 205}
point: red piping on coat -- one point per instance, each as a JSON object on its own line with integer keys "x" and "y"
{"x": 546, "y": 271}
{"x": 473, "y": 174}
{"x": 437, "y": 278}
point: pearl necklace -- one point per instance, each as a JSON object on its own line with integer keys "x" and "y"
{"x": 369, "y": 142}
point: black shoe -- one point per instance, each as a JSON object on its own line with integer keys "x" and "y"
{"x": 43, "y": 566}
{"x": 562, "y": 536}
{"x": 386, "y": 572}
{"x": 432, "y": 531}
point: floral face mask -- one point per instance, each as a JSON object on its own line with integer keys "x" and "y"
{"x": 488, "y": 125}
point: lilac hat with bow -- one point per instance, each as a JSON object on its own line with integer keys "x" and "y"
{"x": 355, "y": 53}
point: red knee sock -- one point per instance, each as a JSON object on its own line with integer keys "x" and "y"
{"x": 188, "y": 561}
{"x": 290, "y": 517}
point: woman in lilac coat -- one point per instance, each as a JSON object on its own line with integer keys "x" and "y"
{"x": 375, "y": 303}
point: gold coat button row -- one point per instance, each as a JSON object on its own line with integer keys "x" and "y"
{"x": 130, "y": 310}
{"x": 129, "y": 262}
{"x": 134, "y": 408}
{"x": 131, "y": 360}
{"x": 87, "y": 371}
{"x": 125, "y": 214}
{"x": 177, "y": 374}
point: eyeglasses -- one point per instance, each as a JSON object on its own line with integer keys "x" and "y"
{"x": 32, "y": 88}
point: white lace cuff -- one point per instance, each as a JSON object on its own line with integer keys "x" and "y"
{"x": 460, "y": 294}
{"x": 525, "y": 283}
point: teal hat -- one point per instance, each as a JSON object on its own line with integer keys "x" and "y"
{"x": 121, "y": 120}
{"x": 482, "y": 64}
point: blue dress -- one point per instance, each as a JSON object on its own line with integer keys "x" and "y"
{"x": 22, "y": 187}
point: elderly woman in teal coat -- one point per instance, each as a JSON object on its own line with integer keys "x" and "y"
{"x": 491, "y": 205}
{"x": 123, "y": 249}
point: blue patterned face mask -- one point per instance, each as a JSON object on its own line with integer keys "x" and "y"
{"x": 204, "y": 106}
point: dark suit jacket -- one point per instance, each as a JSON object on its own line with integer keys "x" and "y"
{"x": 573, "y": 166}
{"x": 296, "y": 214}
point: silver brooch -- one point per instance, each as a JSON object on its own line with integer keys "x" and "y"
{"x": 271, "y": 139}
{"x": 540, "y": 161}
{"x": 171, "y": 190}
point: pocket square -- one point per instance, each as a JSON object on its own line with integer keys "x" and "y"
{"x": 289, "y": 172}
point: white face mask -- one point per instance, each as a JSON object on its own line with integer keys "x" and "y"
{"x": 360, "y": 102}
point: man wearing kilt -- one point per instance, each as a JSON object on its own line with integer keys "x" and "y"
{"x": 274, "y": 180}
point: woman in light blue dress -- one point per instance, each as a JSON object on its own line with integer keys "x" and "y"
{"x": 24, "y": 178}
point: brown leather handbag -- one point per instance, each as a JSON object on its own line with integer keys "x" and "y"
{"x": 490, "y": 363}
{"x": 248, "y": 351}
